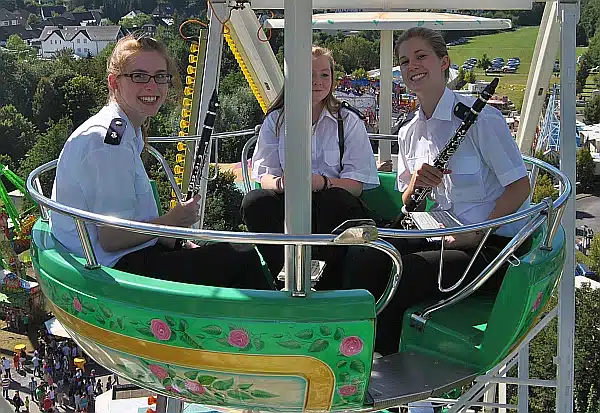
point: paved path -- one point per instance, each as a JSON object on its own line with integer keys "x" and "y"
{"x": 588, "y": 211}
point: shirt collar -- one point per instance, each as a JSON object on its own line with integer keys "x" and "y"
{"x": 326, "y": 114}
{"x": 444, "y": 108}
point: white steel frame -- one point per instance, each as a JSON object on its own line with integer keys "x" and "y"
{"x": 298, "y": 40}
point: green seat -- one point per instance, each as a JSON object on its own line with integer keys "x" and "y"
{"x": 481, "y": 330}
{"x": 384, "y": 201}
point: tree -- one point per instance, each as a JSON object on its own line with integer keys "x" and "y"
{"x": 223, "y": 201}
{"x": 360, "y": 73}
{"x": 355, "y": 52}
{"x": 591, "y": 111}
{"x": 583, "y": 72}
{"x": 544, "y": 188}
{"x": 587, "y": 353}
{"x": 594, "y": 254}
{"x": 461, "y": 76}
{"x": 18, "y": 133}
{"x": 236, "y": 112}
{"x": 136, "y": 22}
{"x": 586, "y": 169}
{"x": 471, "y": 77}
{"x": 82, "y": 97}
{"x": 17, "y": 45}
{"x": 592, "y": 402}
{"x": 46, "y": 149}
{"x": 33, "y": 19}
{"x": 484, "y": 62}
{"x": 593, "y": 51}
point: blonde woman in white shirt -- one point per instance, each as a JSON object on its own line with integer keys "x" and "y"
{"x": 100, "y": 170}
{"x": 341, "y": 169}
{"x": 486, "y": 179}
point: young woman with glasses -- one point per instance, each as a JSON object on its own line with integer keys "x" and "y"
{"x": 100, "y": 170}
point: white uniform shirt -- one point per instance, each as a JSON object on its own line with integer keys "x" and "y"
{"x": 102, "y": 178}
{"x": 359, "y": 162}
{"x": 486, "y": 161}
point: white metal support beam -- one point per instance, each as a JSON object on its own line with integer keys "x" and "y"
{"x": 404, "y": 4}
{"x": 386, "y": 59}
{"x": 523, "y": 392}
{"x": 569, "y": 13}
{"x": 210, "y": 81}
{"x": 298, "y": 141}
{"x": 540, "y": 72}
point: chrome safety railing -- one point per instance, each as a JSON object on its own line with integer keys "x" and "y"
{"x": 352, "y": 236}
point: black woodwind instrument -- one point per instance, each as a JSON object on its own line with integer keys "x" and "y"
{"x": 443, "y": 158}
{"x": 203, "y": 145}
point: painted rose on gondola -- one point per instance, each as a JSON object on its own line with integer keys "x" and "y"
{"x": 77, "y": 304}
{"x": 160, "y": 329}
{"x": 347, "y": 390}
{"x": 158, "y": 371}
{"x": 194, "y": 387}
{"x": 238, "y": 338}
{"x": 351, "y": 346}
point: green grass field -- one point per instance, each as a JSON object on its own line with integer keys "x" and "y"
{"x": 519, "y": 43}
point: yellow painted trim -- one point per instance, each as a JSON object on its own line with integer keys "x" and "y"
{"x": 319, "y": 376}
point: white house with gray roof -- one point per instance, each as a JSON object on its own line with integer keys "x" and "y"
{"x": 82, "y": 40}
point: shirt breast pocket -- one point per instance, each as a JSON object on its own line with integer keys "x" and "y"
{"x": 331, "y": 158}
{"x": 466, "y": 180}
{"x": 141, "y": 184}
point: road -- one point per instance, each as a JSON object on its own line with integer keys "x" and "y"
{"x": 588, "y": 211}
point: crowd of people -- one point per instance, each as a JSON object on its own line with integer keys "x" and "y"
{"x": 55, "y": 380}
{"x": 17, "y": 320}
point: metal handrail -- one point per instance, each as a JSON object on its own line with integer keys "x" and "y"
{"x": 528, "y": 229}
{"x": 222, "y": 135}
{"x": 205, "y": 235}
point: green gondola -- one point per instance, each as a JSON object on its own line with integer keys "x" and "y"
{"x": 265, "y": 350}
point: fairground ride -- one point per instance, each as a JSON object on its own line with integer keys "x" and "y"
{"x": 303, "y": 350}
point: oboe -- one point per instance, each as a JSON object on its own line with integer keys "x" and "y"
{"x": 203, "y": 145}
{"x": 443, "y": 158}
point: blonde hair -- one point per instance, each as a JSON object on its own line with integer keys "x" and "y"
{"x": 433, "y": 39}
{"x": 331, "y": 102}
{"x": 126, "y": 48}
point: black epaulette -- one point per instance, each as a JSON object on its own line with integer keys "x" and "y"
{"x": 461, "y": 110}
{"x": 115, "y": 131}
{"x": 401, "y": 122}
{"x": 351, "y": 108}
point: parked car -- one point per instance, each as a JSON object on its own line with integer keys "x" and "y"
{"x": 583, "y": 270}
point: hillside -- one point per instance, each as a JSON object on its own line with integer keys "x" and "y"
{"x": 518, "y": 43}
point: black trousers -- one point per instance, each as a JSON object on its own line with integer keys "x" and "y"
{"x": 369, "y": 269}
{"x": 219, "y": 265}
{"x": 263, "y": 211}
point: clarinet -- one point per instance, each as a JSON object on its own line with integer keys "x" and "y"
{"x": 204, "y": 144}
{"x": 443, "y": 158}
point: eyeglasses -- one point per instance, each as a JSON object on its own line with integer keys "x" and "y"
{"x": 159, "y": 78}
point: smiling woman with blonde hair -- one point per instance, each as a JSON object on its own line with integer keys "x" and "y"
{"x": 343, "y": 166}
{"x": 100, "y": 170}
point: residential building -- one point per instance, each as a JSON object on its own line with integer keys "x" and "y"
{"x": 132, "y": 14}
{"x": 85, "y": 18}
{"x": 30, "y": 36}
{"x": 163, "y": 10}
{"x": 7, "y": 18}
{"x": 47, "y": 12}
{"x": 82, "y": 40}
